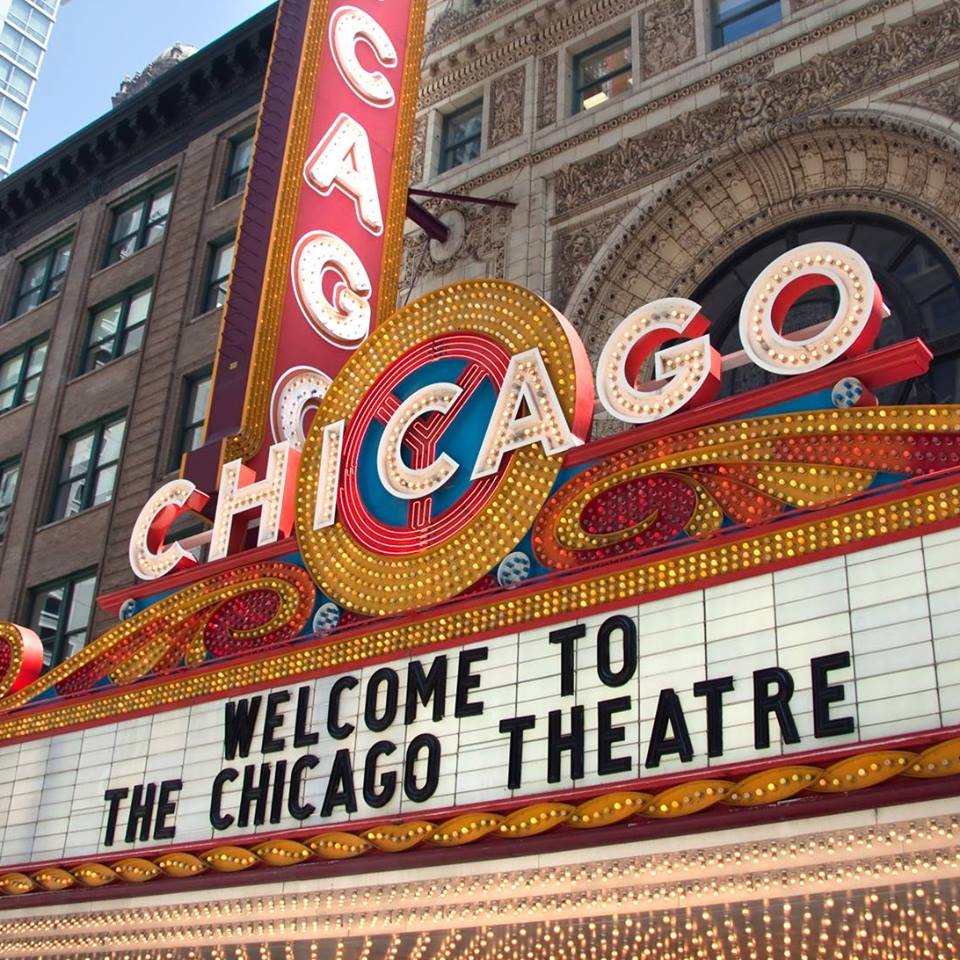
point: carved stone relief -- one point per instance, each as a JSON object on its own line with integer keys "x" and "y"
{"x": 667, "y": 36}
{"x": 941, "y": 96}
{"x": 479, "y": 234}
{"x": 547, "y": 91}
{"x": 526, "y": 37}
{"x": 418, "y": 150}
{"x": 506, "y": 107}
{"x": 576, "y": 248}
{"x": 826, "y": 80}
{"x": 862, "y": 162}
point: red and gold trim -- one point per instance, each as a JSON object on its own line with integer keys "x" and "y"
{"x": 747, "y": 471}
{"x": 256, "y": 404}
{"x": 780, "y": 782}
{"x": 484, "y": 322}
{"x": 248, "y": 608}
{"x": 931, "y": 505}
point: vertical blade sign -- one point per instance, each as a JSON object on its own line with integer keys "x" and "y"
{"x": 332, "y": 265}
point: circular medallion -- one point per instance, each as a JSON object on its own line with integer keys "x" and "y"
{"x": 846, "y": 393}
{"x": 388, "y": 554}
{"x": 326, "y": 619}
{"x": 513, "y": 569}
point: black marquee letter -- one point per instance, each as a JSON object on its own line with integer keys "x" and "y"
{"x": 254, "y": 795}
{"x": 558, "y": 742}
{"x": 373, "y": 720}
{"x": 336, "y": 729}
{"x": 113, "y": 797}
{"x": 765, "y": 703}
{"x": 714, "y": 690}
{"x": 411, "y": 788}
{"x": 824, "y": 694}
{"x": 373, "y": 796}
{"x": 567, "y": 637}
{"x": 608, "y": 734}
{"x": 422, "y": 686}
{"x": 302, "y": 737}
{"x": 669, "y": 711}
{"x": 628, "y": 633}
{"x": 272, "y": 720}
{"x": 238, "y": 723}
{"x": 516, "y": 726}
{"x": 467, "y": 681}
{"x": 298, "y": 810}
{"x": 219, "y": 820}
{"x": 141, "y": 812}
{"x": 340, "y": 789}
{"x": 166, "y": 808}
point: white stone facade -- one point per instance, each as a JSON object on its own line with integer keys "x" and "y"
{"x": 842, "y": 105}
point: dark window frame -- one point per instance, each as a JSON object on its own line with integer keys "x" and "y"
{"x": 212, "y": 285}
{"x": 448, "y": 146}
{"x": 89, "y": 476}
{"x": 26, "y": 352}
{"x": 146, "y": 197}
{"x": 7, "y": 508}
{"x": 125, "y": 298}
{"x": 234, "y": 181}
{"x": 578, "y": 87}
{"x": 720, "y": 24}
{"x": 190, "y": 382}
{"x": 62, "y": 635}
{"x": 50, "y": 253}
{"x": 721, "y": 293}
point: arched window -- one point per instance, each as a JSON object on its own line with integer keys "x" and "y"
{"x": 919, "y": 284}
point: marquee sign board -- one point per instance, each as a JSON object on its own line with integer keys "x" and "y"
{"x": 837, "y": 652}
{"x": 462, "y": 616}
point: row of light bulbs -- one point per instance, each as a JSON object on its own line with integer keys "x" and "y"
{"x": 518, "y": 894}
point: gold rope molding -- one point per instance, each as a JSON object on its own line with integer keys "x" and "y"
{"x": 858, "y": 772}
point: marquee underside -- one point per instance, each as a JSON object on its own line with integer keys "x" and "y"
{"x": 873, "y": 883}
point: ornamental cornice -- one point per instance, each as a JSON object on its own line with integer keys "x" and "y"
{"x": 791, "y": 169}
{"x": 559, "y": 22}
{"x": 507, "y": 45}
{"x": 472, "y": 71}
{"x": 759, "y": 101}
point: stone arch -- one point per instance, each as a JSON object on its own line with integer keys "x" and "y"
{"x": 845, "y": 161}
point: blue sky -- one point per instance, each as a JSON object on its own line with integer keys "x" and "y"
{"x": 96, "y": 43}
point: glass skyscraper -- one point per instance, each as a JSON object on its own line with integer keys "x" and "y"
{"x": 23, "y": 43}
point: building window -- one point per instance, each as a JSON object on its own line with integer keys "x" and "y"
{"x": 31, "y": 21}
{"x": 602, "y": 72}
{"x": 20, "y": 374}
{"x": 15, "y": 82}
{"x": 11, "y": 116}
{"x": 139, "y": 222}
{"x": 116, "y": 328}
{"x": 919, "y": 284}
{"x": 25, "y": 52}
{"x": 9, "y": 474}
{"x": 241, "y": 154}
{"x": 7, "y": 145}
{"x": 218, "y": 274}
{"x": 60, "y": 614}
{"x": 735, "y": 19}
{"x": 42, "y": 277}
{"x": 193, "y": 413}
{"x": 88, "y": 470}
{"x": 460, "y": 141}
